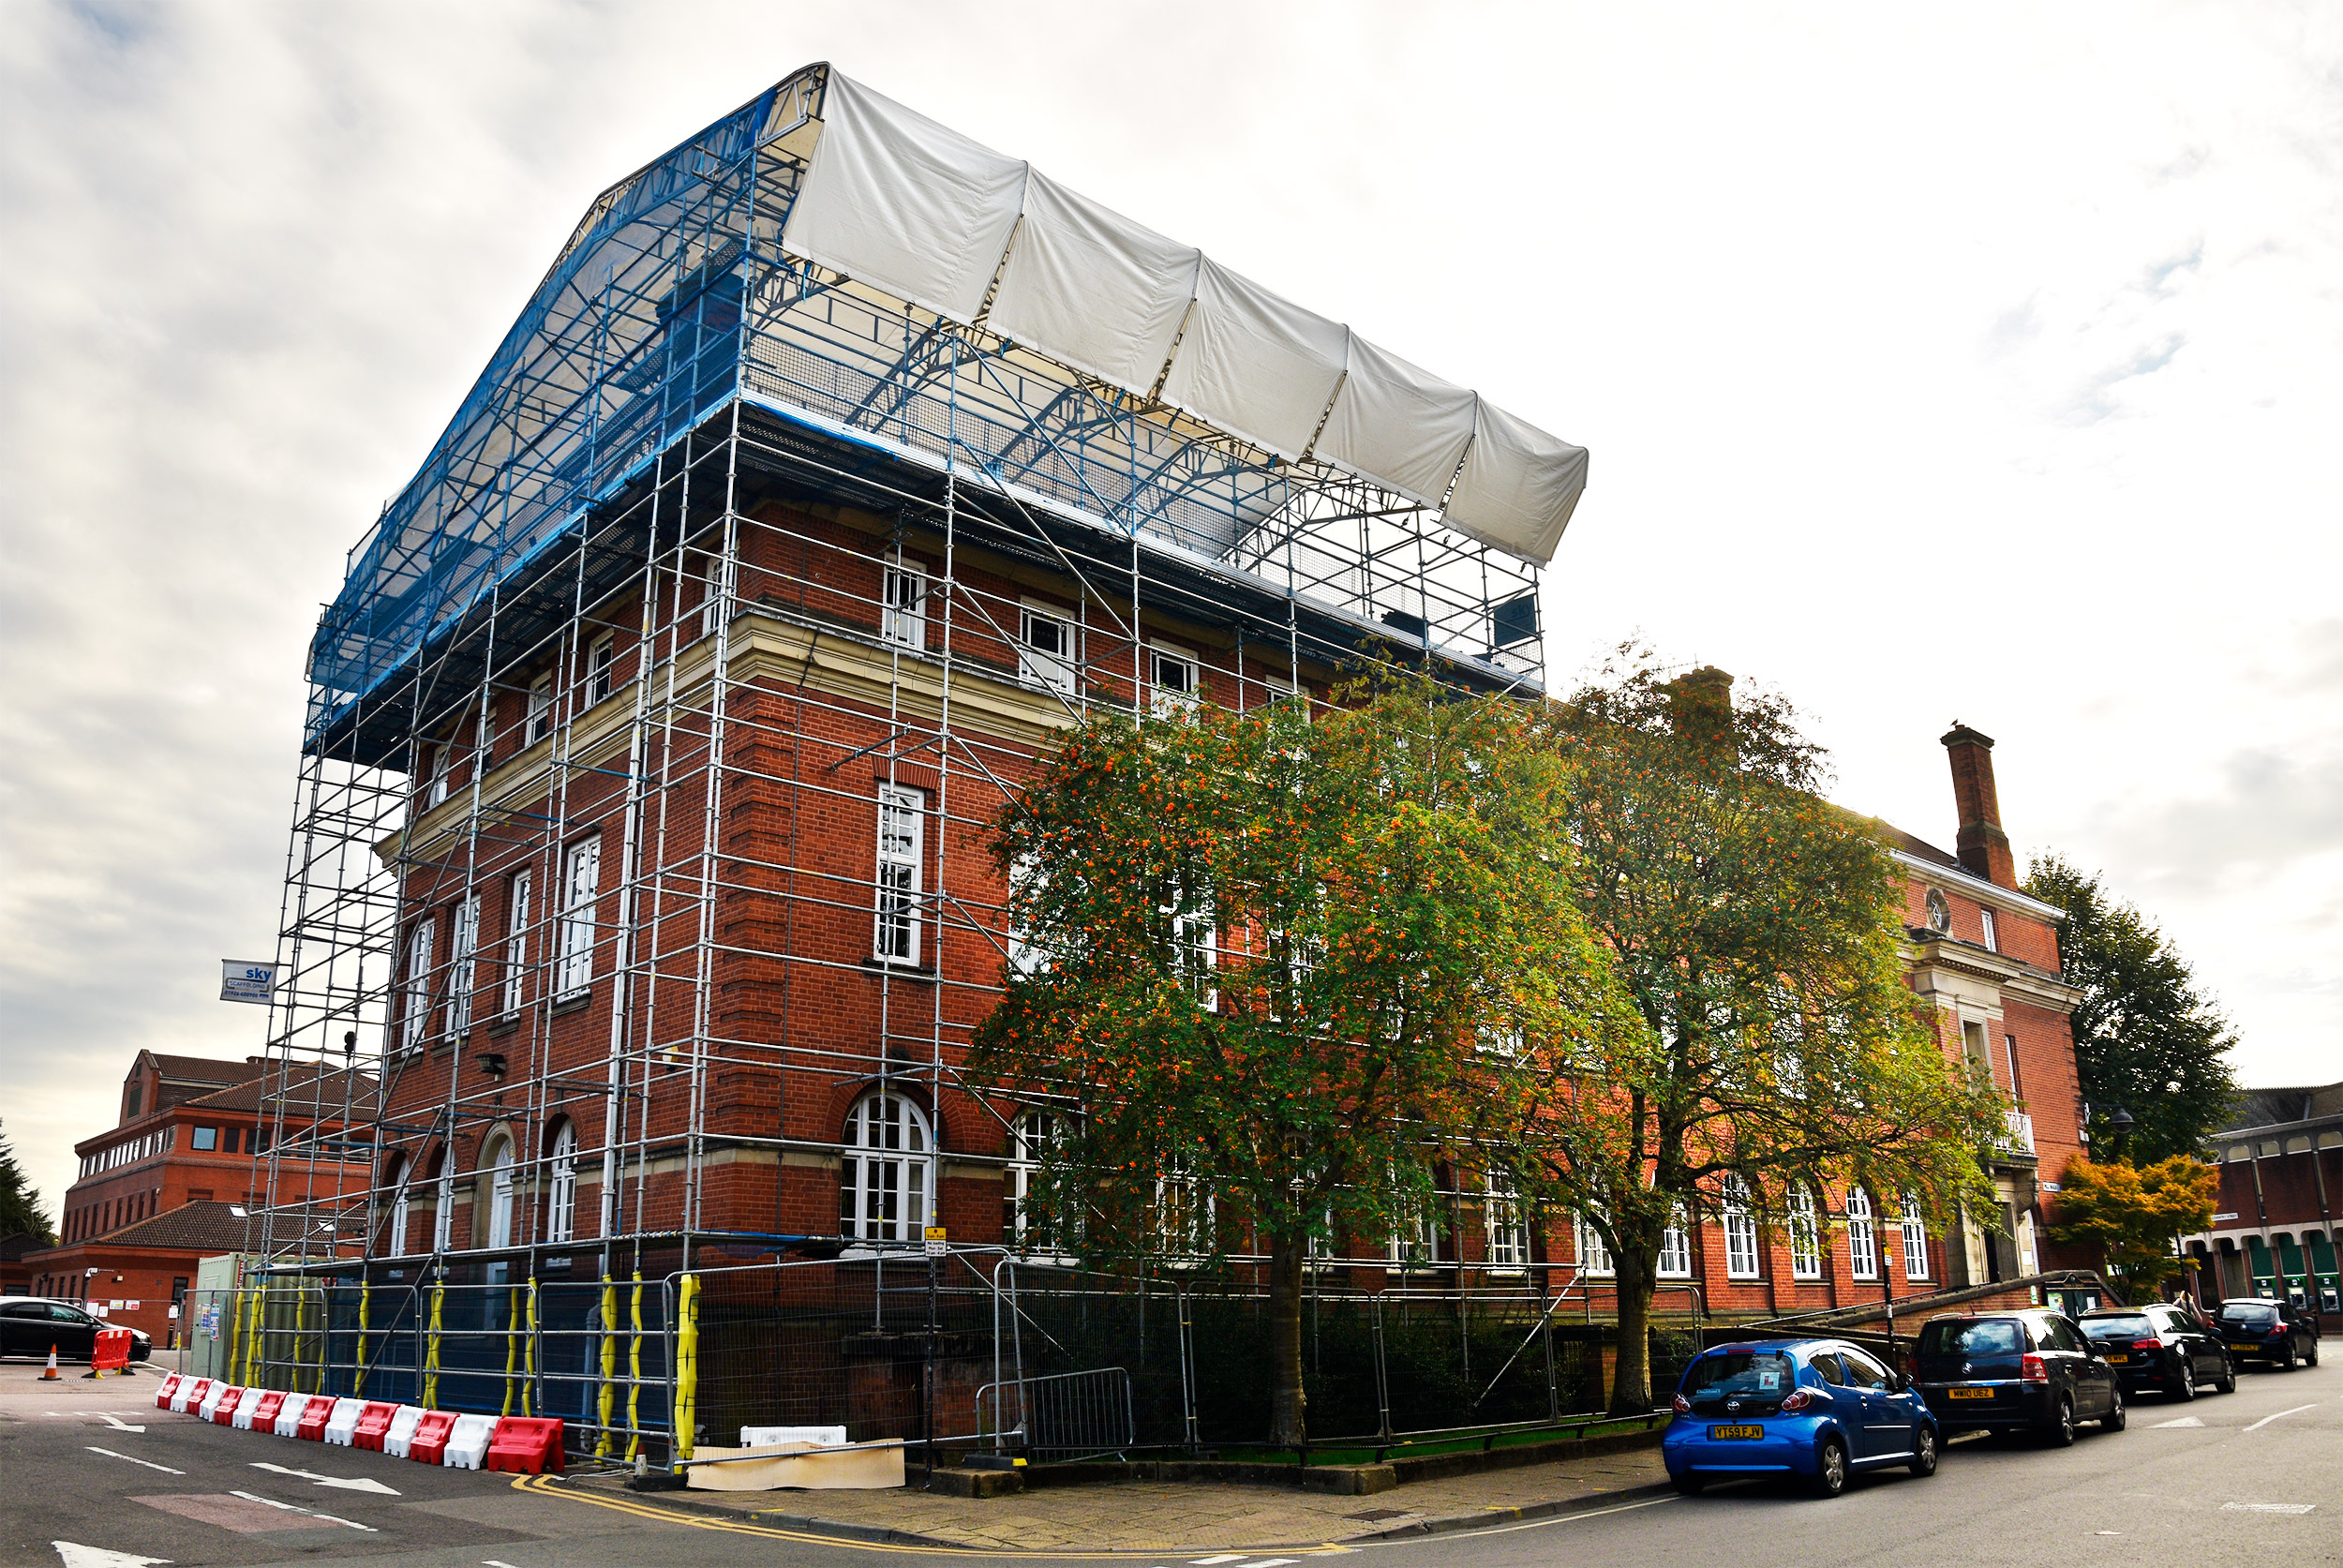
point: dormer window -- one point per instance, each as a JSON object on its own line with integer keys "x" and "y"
{"x": 1939, "y": 911}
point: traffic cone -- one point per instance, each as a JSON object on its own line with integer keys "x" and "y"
{"x": 51, "y": 1376}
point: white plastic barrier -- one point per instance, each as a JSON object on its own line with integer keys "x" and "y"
{"x": 289, "y": 1415}
{"x": 402, "y": 1432}
{"x": 342, "y": 1426}
{"x": 467, "y": 1443}
{"x": 186, "y": 1392}
{"x": 247, "y": 1409}
{"x": 819, "y": 1437}
{"x": 210, "y": 1407}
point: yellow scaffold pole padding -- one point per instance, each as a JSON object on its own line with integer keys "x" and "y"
{"x": 301, "y": 1328}
{"x": 249, "y": 1319}
{"x": 529, "y": 1350}
{"x": 431, "y": 1352}
{"x": 634, "y": 1374}
{"x": 511, "y": 1345}
{"x": 365, "y": 1292}
{"x": 687, "y": 1363}
{"x": 609, "y": 1365}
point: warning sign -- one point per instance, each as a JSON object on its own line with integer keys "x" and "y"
{"x": 938, "y": 1243}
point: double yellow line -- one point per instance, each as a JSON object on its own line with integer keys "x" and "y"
{"x": 544, "y": 1486}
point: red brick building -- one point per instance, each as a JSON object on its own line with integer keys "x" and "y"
{"x": 2273, "y": 1224}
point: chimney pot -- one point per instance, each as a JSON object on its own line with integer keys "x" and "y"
{"x": 1983, "y": 848}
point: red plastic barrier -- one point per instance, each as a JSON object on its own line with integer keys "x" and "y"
{"x": 313, "y": 1420}
{"x": 264, "y": 1415}
{"x": 162, "y": 1395}
{"x": 430, "y": 1445}
{"x": 224, "y": 1412}
{"x": 373, "y": 1422}
{"x": 526, "y": 1446}
{"x": 112, "y": 1353}
{"x": 196, "y": 1391}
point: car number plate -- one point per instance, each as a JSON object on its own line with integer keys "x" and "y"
{"x": 2245, "y": 1350}
{"x": 2117, "y": 1360}
{"x": 1723, "y": 1433}
{"x": 1970, "y": 1393}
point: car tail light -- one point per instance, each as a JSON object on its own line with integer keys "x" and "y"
{"x": 1912, "y": 1367}
{"x": 1683, "y": 1406}
{"x": 2147, "y": 1344}
{"x": 1799, "y": 1400}
{"x": 2033, "y": 1368}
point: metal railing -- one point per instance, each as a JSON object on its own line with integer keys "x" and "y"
{"x": 1062, "y": 1415}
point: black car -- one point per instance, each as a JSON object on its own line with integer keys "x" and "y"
{"x": 2015, "y": 1371}
{"x": 2256, "y": 1329}
{"x": 2167, "y": 1349}
{"x": 30, "y": 1325}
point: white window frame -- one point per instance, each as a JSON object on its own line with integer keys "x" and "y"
{"x": 443, "y": 1205}
{"x": 1742, "y": 1259}
{"x": 1594, "y": 1256}
{"x": 1914, "y": 1226}
{"x": 1993, "y": 930}
{"x": 397, "y": 1236}
{"x": 1029, "y": 1134}
{"x": 601, "y": 667}
{"x": 517, "y": 915}
{"x": 899, "y": 876}
{"x": 539, "y": 723}
{"x": 502, "y": 1189}
{"x": 1026, "y": 957}
{"x": 887, "y": 1162}
{"x": 903, "y": 604}
{"x": 416, "y": 1026}
{"x": 1187, "y": 1219}
{"x": 1805, "y": 1234}
{"x": 1504, "y": 1224}
{"x": 1183, "y": 691}
{"x": 442, "y": 764}
{"x": 715, "y": 588}
{"x": 1862, "y": 1236}
{"x": 464, "y": 945}
{"x": 1059, "y": 671}
{"x": 561, "y": 1188}
{"x": 1675, "y": 1261}
{"x": 581, "y": 891}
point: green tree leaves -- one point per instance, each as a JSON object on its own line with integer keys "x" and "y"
{"x": 19, "y": 1201}
{"x": 2132, "y": 1215}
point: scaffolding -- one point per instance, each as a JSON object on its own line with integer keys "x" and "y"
{"x": 721, "y": 542}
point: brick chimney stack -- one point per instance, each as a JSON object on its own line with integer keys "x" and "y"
{"x": 1984, "y": 849}
{"x": 1700, "y": 704}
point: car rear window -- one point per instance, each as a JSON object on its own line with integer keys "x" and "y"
{"x": 2248, "y": 1312}
{"x": 1742, "y": 1372}
{"x": 1988, "y": 1337}
{"x": 2129, "y": 1327}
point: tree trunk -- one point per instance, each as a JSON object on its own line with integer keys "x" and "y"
{"x": 1288, "y": 1256}
{"x": 1630, "y": 1377}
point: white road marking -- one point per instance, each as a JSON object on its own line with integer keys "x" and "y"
{"x": 1208, "y": 1561}
{"x": 295, "y": 1508}
{"x": 2184, "y": 1421}
{"x": 2296, "y": 1410}
{"x": 148, "y": 1463}
{"x": 119, "y": 1426}
{"x": 1269, "y": 1562}
{"x": 361, "y": 1484}
{"x": 1572, "y": 1518}
{"x": 78, "y": 1556}
{"x": 492, "y": 1563}
{"x": 2267, "y": 1507}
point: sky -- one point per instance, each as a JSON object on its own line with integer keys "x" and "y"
{"x": 1979, "y": 362}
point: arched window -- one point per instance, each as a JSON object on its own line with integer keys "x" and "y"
{"x": 1862, "y": 1236}
{"x": 561, "y": 1191}
{"x": 1805, "y": 1236}
{"x": 1915, "y": 1238}
{"x": 394, "y": 1238}
{"x": 443, "y": 1206}
{"x": 885, "y": 1178}
{"x": 1740, "y": 1230}
{"x": 1030, "y": 1139}
{"x": 498, "y": 1170}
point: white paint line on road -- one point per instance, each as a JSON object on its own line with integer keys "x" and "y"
{"x": 120, "y": 1425}
{"x": 361, "y": 1484}
{"x": 492, "y": 1563}
{"x": 2296, "y": 1410}
{"x": 296, "y": 1508}
{"x": 1573, "y": 1518}
{"x": 75, "y": 1555}
{"x": 1208, "y": 1561}
{"x": 148, "y": 1463}
{"x": 1269, "y": 1562}
{"x": 2267, "y": 1507}
{"x": 2184, "y": 1421}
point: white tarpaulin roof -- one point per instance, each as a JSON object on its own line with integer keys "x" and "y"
{"x": 894, "y": 200}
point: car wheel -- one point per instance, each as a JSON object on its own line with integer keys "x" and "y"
{"x": 2116, "y": 1417}
{"x": 2187, "y": 1389}
{"x": 2227, "y": 1382}
{"x": 1690, "y": 1485}
{"x": 2283, "y": 1361}
{"x": 1829, "y": 1468}
{"x": 2060, "y": 1433}
{"x": 2312, "y": 1359}
{"x": 1924, "y": 1455}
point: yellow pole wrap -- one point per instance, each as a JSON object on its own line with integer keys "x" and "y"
{"x": 511, "y": 1345}
{"x": 634, "y": 1374}
{"x": 609, "y": 1365}
{"x": 529, "y": 1349}
{"x": 687, "y": 1363}
{"x": 301, "y": 1328}
{"x": 248, "y": 1318}
{"x": 366, "y": 1297}
{"x": 431, "y": 1352}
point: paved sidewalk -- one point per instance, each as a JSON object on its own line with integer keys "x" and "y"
{"x": 1168, "y": 1517}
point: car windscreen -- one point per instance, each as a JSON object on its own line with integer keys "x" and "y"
{"x": 2248, "y": 1312}
{"x": 1988, "y": 1337}
{"x": 2131, "y": 1326}
{"x": 1740, "y": 1372}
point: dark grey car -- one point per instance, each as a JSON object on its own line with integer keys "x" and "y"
{"x": 2016, "y": 1372}
{"x": 2160, "y": 1349}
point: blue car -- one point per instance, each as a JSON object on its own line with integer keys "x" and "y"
{"x": 1817, "y": 1409}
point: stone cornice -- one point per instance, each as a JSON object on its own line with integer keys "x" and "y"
{"x": 2010, "y": 975}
